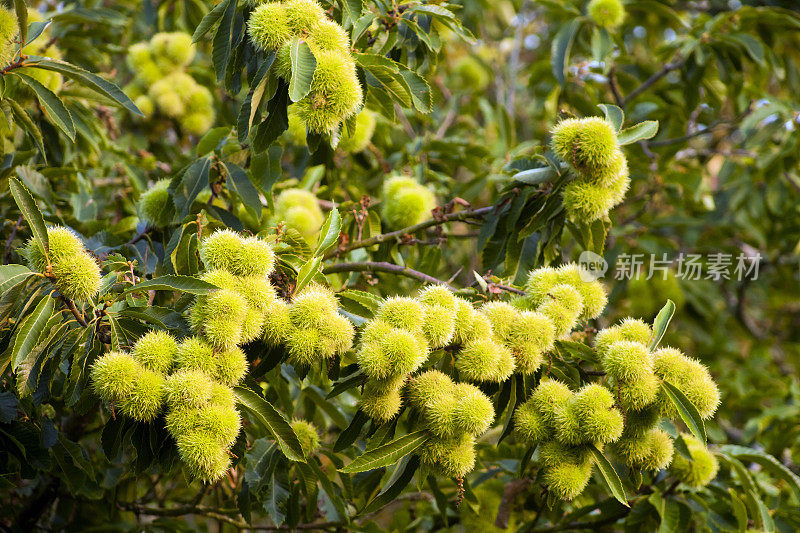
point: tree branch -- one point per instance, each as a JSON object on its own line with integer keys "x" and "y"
{"x": 74, "y": 310}
{"x": 382, "y": 266}
{"x": 396, "y": 235}
{"x": 649, "y": 82}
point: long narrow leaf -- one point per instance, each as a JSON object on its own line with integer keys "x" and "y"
{"x": 387, "y": 454}
{"x": 27, "y": 206}
{"x": 273, "y": 420}
{"x": 686, "y": 409}
{"x": 610, "y": 476}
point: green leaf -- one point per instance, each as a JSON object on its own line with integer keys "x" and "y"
{"x": 307, "y": 272}
{"x": 401, "y": 477}
{"x": 768, "y": 462}
{"x": 277, "y": 120}
{"x": 661, "y": 323}
{"x": 241, "y": 183}
{"x": 212, "y": 140}
{"x": 10, "y": 275}
{"x": 303, "y": 66}
{"x": 35, "y": 29}
{"x": 221, "y": 51}
{"x": 352, "y": 10}
{"x": 614, "y": 115}
{"x": 641, "y": 131}
{"x": 209, "y": 20}
{"x": 172, "y": 282}
{"x": 91, "y": 81}
{"x": 329, "y": 235}
{"x": 366, "y": 299}
{"x": 193, "y": 180}
{"x": 273, "y": 420}
{"x": 28, "y": 125}
{"x": 562, "y": 44}
{"x": 419, "y": 89}
{"x": 739, "y": 510}
{"x": 31, "y": 330}
{"x": 55, "y": 108}
{"x": 27, "y": 206}
{"x": 387, "y": 454}
{"x": 610, "y": 476}
{"x": 686, "y": 409}
{"x": 535, "y": 176}
{"x": 22, "y": 19}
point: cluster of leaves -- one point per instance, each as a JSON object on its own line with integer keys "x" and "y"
{"x": 465, "y": 95}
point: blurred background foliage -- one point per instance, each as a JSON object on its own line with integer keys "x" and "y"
{"x": 722, "y": 78}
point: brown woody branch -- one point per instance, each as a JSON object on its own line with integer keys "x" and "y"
{"x": 382, "y": 266}
{"x": 398, "y": 235}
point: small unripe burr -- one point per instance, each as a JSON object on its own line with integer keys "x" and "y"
{"x": 225, "y": 312}
{"x": 402, "y": 312}
{"x": 277, "y": 323}
{"x": 327, "y": 35}
{"x": 303, "y": 14}
{"x": 439, "y": 325}
{"x": 428, "y": 387}
{"x": 639, "y": 422}
{"x": 449, "y": 457}
{"x": 172, "y": 50}
{"x": 360, "y": 138}
{"x": 599, "y": 420}
{"x": 335, "y": 95}
{"x": 113, "y": 376}
{"x": 307, "y": 434}
{"x": 586, "y": 144}
{"x": 566, "y": 469}
{"x": 299, "y": 209}
{"x": 531, "y": 335}
{"x": 548, "y": 398}
{"x": 144, "y": 400}
{"x": 268, "y": 26}
{"x": 438, "y": 295}
{"x": 155, "y": 204}
{"x": 563, "y": 307}
{"x": 636, "y": 394}
{"x": 156, "y": 351}
{"x": 76, "y": 273}
{"x": 543, "y": 279}
{"x": 406, "y": 202}
{"x": 473, "y": 412}
{"x": 221, "y": 421}
{"x": 691, "y": 377}
{"x": 231, "y": 366}
{"x": 312, "y": 307}
{"x": 628, "y": 361}
{"x": 188, "y": 389}
{"x": 483, "y": 359}
{"x": 701, "y": 469}
{"x": 381, "y": 399}
{"x": 203, "y": 455}
{"x": 606, "y": 13}
{"x": 398, "y": 352}
{"x": 650, "y": 451}
{"x": 242, "y": 256}
{"x": 502, "y": 317}
{"x": 77, "y": 278}
{"x": 630, "y": 329}
{"x": 529, "y": 426}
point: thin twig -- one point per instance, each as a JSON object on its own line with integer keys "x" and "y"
{"x": 382, "y": 266}
{"x": 649, "y": 82}
{"x": 393, "y": 235}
